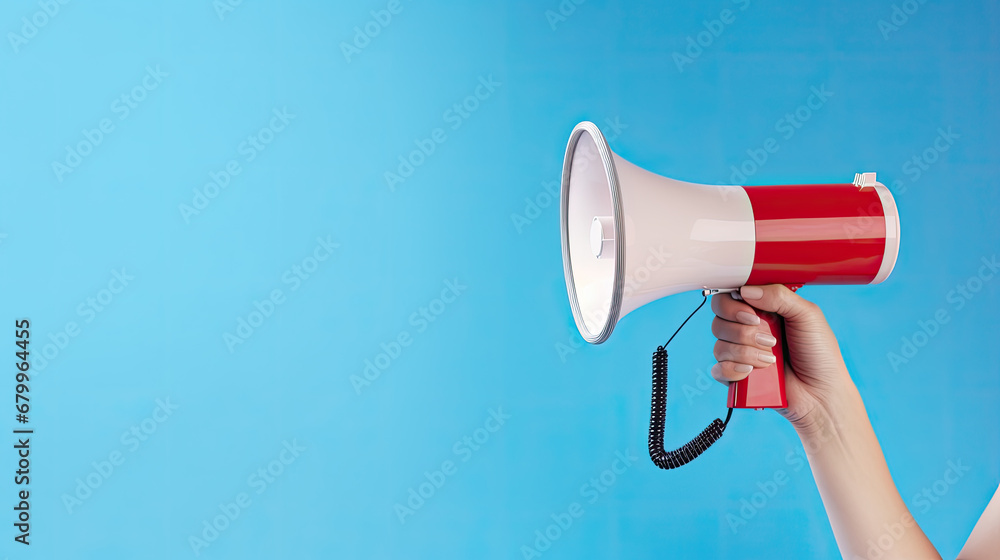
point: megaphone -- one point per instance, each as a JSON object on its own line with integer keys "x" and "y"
{"x": 630, "y": 237}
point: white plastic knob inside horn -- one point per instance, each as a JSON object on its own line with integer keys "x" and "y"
{"x": 602, "y": 236}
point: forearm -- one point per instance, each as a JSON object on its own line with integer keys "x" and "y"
{"x": 868, "y": 516}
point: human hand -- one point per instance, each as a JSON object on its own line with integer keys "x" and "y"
{"x": 815, "y": 375}
{"x": 844, "y": 455}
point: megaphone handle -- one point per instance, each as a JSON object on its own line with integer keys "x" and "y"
{"x": 764, "y": 387}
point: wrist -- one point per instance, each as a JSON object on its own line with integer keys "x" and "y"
{"x": 833, "y": 418}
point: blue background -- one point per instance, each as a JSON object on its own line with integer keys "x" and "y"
{"x": 507, "y": 341}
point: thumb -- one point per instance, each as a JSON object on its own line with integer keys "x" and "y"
{"x": 779, "y": 299}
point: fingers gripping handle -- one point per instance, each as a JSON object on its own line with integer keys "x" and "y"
{"x": 764, "y": 387}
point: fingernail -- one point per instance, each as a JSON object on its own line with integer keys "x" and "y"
{"x": 765, "y": 339}
{"x": 751, "y": 292}
{"x": 766, "y": 357}
{"x": 747, "y": 318}
{"x": 742, "y": 368}
{"x": 717, "y": 371}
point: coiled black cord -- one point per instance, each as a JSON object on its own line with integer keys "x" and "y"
{"x": 658, "y": 416}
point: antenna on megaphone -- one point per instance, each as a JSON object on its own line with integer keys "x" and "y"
{"x": 630, "y": 237}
